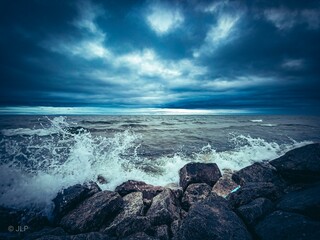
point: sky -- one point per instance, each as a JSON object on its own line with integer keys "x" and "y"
{"x": 203, "y": 57}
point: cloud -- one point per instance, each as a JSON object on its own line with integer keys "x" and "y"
{"x": 293, "y": 64}
{"x": 286, "y": 19}
{"x": 164, "y": 19}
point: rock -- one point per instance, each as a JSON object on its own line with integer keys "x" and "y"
{"x": 58, "y": 231}
{"x": 300, "y": 164}
{"x": 164, "y": 209}
{"x": 69, "y": 198}
{"x": 83, "y": 236}
{"x": 34, "y": 220}
{"x": 212, "y": 219}
{"x": 92, "y": 212}
{"x": 255, "y": 210}
{"x": 305, "y": 201}
{"x": 208, "y": 173}
{"x": 133, "y": 206}
{"x": 140, "y": 236}
{"x": 177, "y": 190}
{"x": 101, "y": 179}
{"x": 224, "y": 185}
{"x": 8, "y": 217}
{"x": 251, "y": 191}
{"x": 175, "y": 226}
{"x": 258, "y": 172}
{"x": 195, "y": 192}
{"x": 284, "y": 225}
{"x": 148, "y": 191}
{"x": 161, "y": 232}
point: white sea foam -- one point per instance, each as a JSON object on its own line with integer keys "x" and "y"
{"x": 35, "y": 176}
{"x": 256, "y": 120}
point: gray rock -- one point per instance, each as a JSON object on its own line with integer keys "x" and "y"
{"x": 224, "y": 185}
{"x": 251, "y": 191}
{"x": 148, "y": 191}
{"x": 133, "y": 206}
{"x": 208, "y": 173}
{"x": 139, "y": 236}
{"x": 67, "y": 199}
{"x": 290, "y": 226}
{"x": 92, "y": 212}
{"x": 194, "y": 193}
{"x": 175, "y": 226}
{"x": 305, "y": 201}
{"x": 255, "y": 210}
{"x": 300, "y": 164}
{"x": 83, "y": 236}
{"x": 161, "y": 232}
{"x": 212, "y": 219}
{"x": 258, "y": 172}
{"x": 164, "y": 209}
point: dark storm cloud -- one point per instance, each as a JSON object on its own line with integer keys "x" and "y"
{"x": 262, "y": 55}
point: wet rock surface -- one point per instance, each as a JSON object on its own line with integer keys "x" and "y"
{"x": 208, "y": 173}
{"x": 194, "y": 193}
{"x": 224, "y": 186}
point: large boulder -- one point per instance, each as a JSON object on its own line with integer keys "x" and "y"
{"x": 285, "y": 225}
{"x": 255, "y": 210}
{"x": 251, "y": 191}
{"x": 258, "y": 172}
{"x": 300, "y": 164}
{"x": 305, "y": 201}
{"x": 195, "y": 192}
{"x": 224, "y": 185}
{"x": 148, "y": 191}
{"x": 212, "y": 219}
{"x": 92, "y": 212}
{"x": 127, "y": 221}
{"x": 195, "y": 172}
{"x": 164, "y": 209}
{"x": 67, "y": 199}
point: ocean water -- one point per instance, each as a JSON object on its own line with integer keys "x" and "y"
{"x": 41, "y": 155}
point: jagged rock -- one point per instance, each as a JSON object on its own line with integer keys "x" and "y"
{"x": 305, "y": 201}
{"x": 195, "y": 192}
{"x": 164, "y": 209}
{"x": 255, "y": 210}
{"x": 92, "y": 212}
{"x": 224, "y": 185}
{"x": 133, "y": 206}
{"x": 69, "y": 198}
{"x": 139, "y": 236}
{"x": 208, "y": 173}
{"x": 148, "y": 191}
{"x": 251, "y": 191}
{"x": 175, "y": 226}
{"x": 212, "y": 219}
{"x": 177, "y": 190}
{"x": 300, "y": 164}
{"x": 58, "y": 231}
{"x": 285, "y": 225}
{"x": 83, "y": 236}
{"x": 258, "y": 172}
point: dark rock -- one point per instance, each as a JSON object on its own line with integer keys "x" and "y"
{"x": 101, "y": 179}
{"x": 132, "y": 207}
{"x": 148, "y": 191}
{"x": 34, "y": 220}
{"x": 224, "y": 185}
{"x": 176, "y": 189}
{"x": 161, "y": 232}
{"x": 139, "y": 236}
{"x": 212, "y": 219}
{"x": 175, "y": 226}
{"x": 290, "y": 226}
{"x": 255, "y": 210}
{"x": 300, "y": 164}
{"x": 69, "y": 198}
{"x": 305, "y": 201}
{"x": 251, "y": 191}
{"x": 46, "y": 232}
{"x": 195, "y": 192}
{"x": 92, "y": 212}
{"x": 258, "y": 172}
{"x": 164, "y": 209}
{"x": 208, "y": 173}
{"x": 9, "y": 217}
{"x": 83, "y": 236}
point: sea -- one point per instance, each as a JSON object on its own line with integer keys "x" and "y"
{"x": 41, "y": 155}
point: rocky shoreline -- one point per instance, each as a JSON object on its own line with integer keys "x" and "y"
{"x": 279, "y": 199}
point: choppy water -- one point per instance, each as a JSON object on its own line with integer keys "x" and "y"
{"x": 41, "y": 155}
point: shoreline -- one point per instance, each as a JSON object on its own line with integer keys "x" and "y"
{"x": 246, "y": 204}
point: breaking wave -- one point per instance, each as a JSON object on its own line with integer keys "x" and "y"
{"x": 38, "y": 164}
